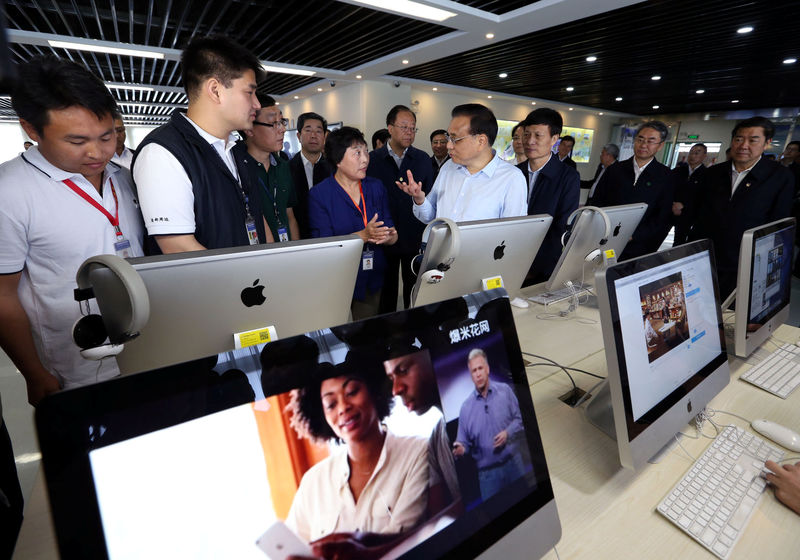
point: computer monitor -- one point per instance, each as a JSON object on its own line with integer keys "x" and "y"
{"x": 665, "y": 347}
{"x": 199, "y": 300}
{"x": 764, "y": 283}
{"x": 489, "y": 248}
{"x": 185, "y": 462}
{"x": 584, "y": 240}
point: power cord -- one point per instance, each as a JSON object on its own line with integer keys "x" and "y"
{"x": 553, "y": 362}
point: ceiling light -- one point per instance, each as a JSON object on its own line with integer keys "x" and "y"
{"x": 618, "y": 99}
{"x": 570, "y": 108}
{"x": 283, "y": 70}
{"x": 735, "y": 101}
{"x": 405, "y": 61}
{"x": 699, "y": 91}
{"x": 490, "y": 35}
{"x": 789, "y": 60}
{"x": 277, "y": 103}
{"x": 128, "y": 86}
{"x": 358, "y": 76}
{"x": 502, "y": 75}
{"x": 297, "y": 97}
{"x": 319, "y": 89}
{"x": 101, "y": 48}
{"x": 600, "y": 113}
{"x": 591, "y": 58}
{"x": 655, "y": 78}
{"x": 436, "y": 89}
{"x": 533, "y": 102}
{"x": 743, "y": 30}
{"x": 656, "y": 106}
{"x": 570, "y": 88}
{"x": 409, "y": 8}
{"x": 488, "y": 97}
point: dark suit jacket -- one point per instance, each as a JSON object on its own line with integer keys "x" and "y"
{"x": 322, "y": 170}
{"x": 383, "y": 167}
{"x": 763, "y": 196}
{"x": 436, "y": 167}
{"x": 556, "y": 192}
{"x": 569, "y": 162}
{"x": 656, "y": 187}
{"x": 687, "y": 189}
{"x": 588, "y": 184}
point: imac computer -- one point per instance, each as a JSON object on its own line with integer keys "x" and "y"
{"x": 488, "y": 249}
{"x": 764, "y": 284}
{"x": 665, "y": 347}
{"x": 583, "y": 248}
{"x": 193, "y": 463}
{"x": 200, "y": 300}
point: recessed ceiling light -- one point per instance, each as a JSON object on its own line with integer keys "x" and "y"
{"x": 570, "y": 108}
{"x": 533, "y": 102}
{"x": 656, "y": 106}
{"x": 490, "y": 35}
{"x": 735, "y": 101}
{"x": 277, "y": 103}
{"x": 282, "y": 70}
{"x": 128, "y": 86}
{"x": 358, "y": 76}
{"x": 700, "y": 91}
{"x": 297, "y": 97}
{"x": 436, "y": 89}
{"x": 319, "y": 89}
{"x": 570, "y": 88}
{"x": 409, "y": 8}
{"x": 502, "y": 75}
{"x": 591, "y": 58}
{"x": 618, "y": 99}
{"x": 488, "y": 97}
{"x": 789, "y": 60}
{"x": 745, "y": 29}
{"x": 655, "y": 78}
{"x": 600, "y": 113}
{"x": 405, "y": 61}
{"x": 96, "y": 46}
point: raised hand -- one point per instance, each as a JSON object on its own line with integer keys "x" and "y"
{"x": 412, "y": 188}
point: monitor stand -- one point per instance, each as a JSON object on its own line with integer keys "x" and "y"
{"x": 599, "y": 411}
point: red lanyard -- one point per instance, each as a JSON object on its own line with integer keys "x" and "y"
{"x": 362, "y": 211}
{"x": 113, "y": 219}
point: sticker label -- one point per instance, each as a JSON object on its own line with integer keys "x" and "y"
{"x": 492, "y": 283}
{"x": 256, "y": 336}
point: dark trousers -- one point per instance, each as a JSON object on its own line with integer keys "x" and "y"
{"x": 10, "y": 496}
{"x": 394, "y": 263}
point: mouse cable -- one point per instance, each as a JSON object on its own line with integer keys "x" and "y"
{"x": 563, "y": 367}
{"x": 556, "y": 551}
{"x": 575, "y": 387}
{"x": 678, "y": 441}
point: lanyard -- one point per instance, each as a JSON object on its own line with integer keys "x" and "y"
{"x": 362, "y": 211}
{"x": 85, "y": 196}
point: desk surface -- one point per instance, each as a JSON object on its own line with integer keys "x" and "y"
{"x": 606, "y": 511}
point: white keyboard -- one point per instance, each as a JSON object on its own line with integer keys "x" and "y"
{"x": 778, "y": 373}
{"x": 714, "y": 501}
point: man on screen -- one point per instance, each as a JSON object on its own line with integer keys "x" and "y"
{"x": 488, "y": 421}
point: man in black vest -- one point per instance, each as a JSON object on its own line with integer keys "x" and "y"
{"x": 192, "y": 191}
{"x": 641, "y": 179}
{"x": 688, "y": 184}
{"x": 309, "y": 165}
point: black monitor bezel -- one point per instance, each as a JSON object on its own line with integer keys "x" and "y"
{"x": 759, "y": 233}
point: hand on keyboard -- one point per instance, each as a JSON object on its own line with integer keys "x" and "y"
{"x": 786, "y": 481}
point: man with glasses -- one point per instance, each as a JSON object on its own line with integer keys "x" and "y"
{"x": 309, "y": 165}
{"x": 641, "y": 179}
{"x": 194, "y": 195}
{"x": 259, "y": 155}
{"x": 475, "y": 184}
{"x": 389, "y": 164}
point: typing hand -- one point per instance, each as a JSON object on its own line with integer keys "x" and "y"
{"x": 412, "y": 188}
{"x": 786, "y": 481}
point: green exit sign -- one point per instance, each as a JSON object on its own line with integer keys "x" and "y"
{"x": 692, "y": 136}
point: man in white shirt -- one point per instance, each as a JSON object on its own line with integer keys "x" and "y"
{"x": 60, "y": 203}
{"x": 309, "y": 165}
{"x": 123, "y": 156}
{"x": 194, "y": 195}
{"x": 474, "y": 184}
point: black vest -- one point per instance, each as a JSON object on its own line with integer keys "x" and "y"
{"x": 219, "y": 209}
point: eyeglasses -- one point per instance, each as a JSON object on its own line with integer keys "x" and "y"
{"x": 280, "y": 123}
{"x": 648, "y": 141}
{"x": 406, "y": 128}
{"x": 455, "y": 140}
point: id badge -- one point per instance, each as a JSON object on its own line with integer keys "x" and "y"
{"x": 123, "y": 248}
{"x": 283, "y": 234}
{"x": 252, "y": 233}
{"x": 367, "y": 260}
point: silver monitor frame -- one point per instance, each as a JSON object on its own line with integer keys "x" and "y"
{"x": 675, "y": 410}
{"x": 195, "y": 297}
{"x": 522, "y": 237}
{"x": 746, "y": 342}
{"x": 585, "y": 236}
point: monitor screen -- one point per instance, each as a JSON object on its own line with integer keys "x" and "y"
{"x": 660, "y": 315}
{"x": 415, "y": 429}
{"x": 765, "y": 283}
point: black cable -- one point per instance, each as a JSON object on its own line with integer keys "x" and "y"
{"x": 564, "y": 367}
{"x": 574, "y": 387}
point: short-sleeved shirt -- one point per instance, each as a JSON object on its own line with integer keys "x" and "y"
{"x": 46, "y": 232}
{"x": 275, "y": 187}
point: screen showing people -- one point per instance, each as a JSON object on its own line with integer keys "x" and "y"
{"x": 668, "y": 321}
{"x": 352, "y": 441}
{"x": 771, "y": 279}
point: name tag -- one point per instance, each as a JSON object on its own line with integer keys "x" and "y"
{"x": 123, "y": 248}
{"x": 367, "y": 260}
{"x": 283, "y": 234}
{"x": 252, "y": 232}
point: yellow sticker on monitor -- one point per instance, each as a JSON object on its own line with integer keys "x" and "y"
{"x": 610, "y": 254}
{"x": 492, "y": 283}
{"x": 256, "y": 336}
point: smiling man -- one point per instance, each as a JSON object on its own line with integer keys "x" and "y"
{"x": 193, "y": 194}
{"x": 61, "y": 202}
{"x": 744, "y": 193}
{"x": 641, "y": 179}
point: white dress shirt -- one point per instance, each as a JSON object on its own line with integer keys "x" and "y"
{"x": 308, "y": 167}
{"x": 498, "y": 190}
{"x": 124, "y": 159}
{"x": 533, "y": 175}
{"x": 637, "y": 171}
{"x": 738, "y": 176}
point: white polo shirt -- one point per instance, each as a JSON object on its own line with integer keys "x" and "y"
{"x": 46, "y": 232}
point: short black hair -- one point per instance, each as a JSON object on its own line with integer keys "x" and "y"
{"x": 392, "y": 114}
{"x": 705, "y": 148}
{"x": 308, "y": 416}
{"x": 481, "y": 119}
{"x": 301, "y": 120}
{"x": 382, "y": 135}
{"x": 794, "y": 143}
{"x": 265, "y": 100}
{"x": 339, "y": 140}
{"x": 217, "y": 57}
{"x": 763, "y": 122}
{"x": 658, "y": 126}
{"x": 515, "y": 128}
{"x": 48, "y": 83}
{"x": 545, "y": 116}
{"x": 437, "y": 132}
{"x": 568, "y": 138}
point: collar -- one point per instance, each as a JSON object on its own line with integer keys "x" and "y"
{"x": 561, "y": 159}
{"x": 488, "y": 169}
{"x": 391, "y": 152}
{"x": 633, "y": 160}
{"x": 542, "y": 168}
{"x": 307, "y": 161}
{"x": 227, "y": 144}
{"x": 344, "y": 464}
{"x": 489, "y": 391}
{"x": 733, "y": 167}
{"x": 35, "y": 158}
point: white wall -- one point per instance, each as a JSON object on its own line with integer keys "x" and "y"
{"x": 11, "y": 139}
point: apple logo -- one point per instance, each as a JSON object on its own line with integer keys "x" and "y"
{"x": 253, "y": 295}
{"x": 689, "y": 406}
{"x": 500, "y": 250}
{"x": 616, "y": 229}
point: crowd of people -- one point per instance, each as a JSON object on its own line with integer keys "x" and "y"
{"x": 215, "y": 177}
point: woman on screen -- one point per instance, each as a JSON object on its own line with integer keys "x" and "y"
{"x": 375, "y": 482}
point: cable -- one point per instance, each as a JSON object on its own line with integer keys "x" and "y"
{"x": 588, "y": 394}
{"x": 574, "y": 387}
{"x": 678, "y": 441}
{"x": 711, "y": 412}
{"x": 562, "y": 367}
{"x": 556, "y": 551}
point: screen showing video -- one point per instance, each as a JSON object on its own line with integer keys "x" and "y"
{"x": 771, "y": 275}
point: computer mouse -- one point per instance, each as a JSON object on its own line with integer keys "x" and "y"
{"x": 781, "y": 435}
